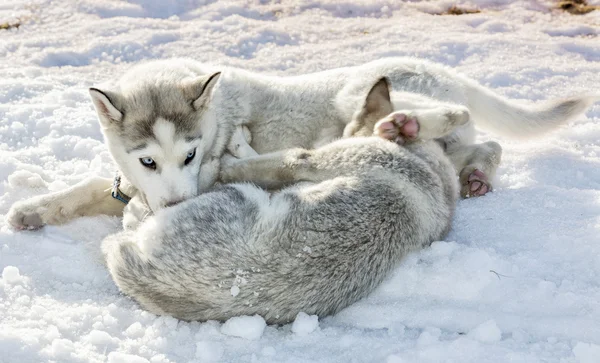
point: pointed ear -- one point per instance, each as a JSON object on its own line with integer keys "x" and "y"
{"x": 378, "y": 100}
{"x": 377, "y": 105}
{"x": 104, "y": 103}
{"x": 199, "y": 89}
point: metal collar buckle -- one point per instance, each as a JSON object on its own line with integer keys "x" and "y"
{"x": 117, "y": 193}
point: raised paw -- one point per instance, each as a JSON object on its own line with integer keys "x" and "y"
{"x": 474, "y": 183}
{"x": 135, "y": 212}
{"x": 457, "y": 116}
{"x": 398, "y": 127}
{"x": 228, "y": 173}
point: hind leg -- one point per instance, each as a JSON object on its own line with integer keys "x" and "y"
{"x": 476, "y": 166}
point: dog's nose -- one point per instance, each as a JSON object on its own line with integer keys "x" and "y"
{"x": 173, "y": 202}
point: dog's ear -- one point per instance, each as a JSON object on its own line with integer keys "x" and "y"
{"x": 104, "y": 101}
{"x": 377, "y": 105}
{"x": 378, "y": 99}
{"x": 199, "y": 89}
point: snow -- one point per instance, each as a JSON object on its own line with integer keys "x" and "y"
{"x": 487, "y": 332}
{"x": 247, "y": 327}
{"x": 305, "y": 324}
{"x": 516, "y": 280}
{"x": 11, "y": 275}
{"x": 115, "y": 357}
{"x": 586, "y": 353}
{"x": 209, "y": 351}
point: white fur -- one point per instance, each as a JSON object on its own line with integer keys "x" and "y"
{"x": 266, "y": 113}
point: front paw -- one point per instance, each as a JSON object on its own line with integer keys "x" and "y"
{"x": 26, "y": 216}
{"x": 228, "y": 168}
{"x": 135, "y": 213}
{"x": 36, "y": 212}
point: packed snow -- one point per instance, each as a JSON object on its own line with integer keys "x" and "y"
{"x": 247, "y": 327}
{"x": 305, "y": 324}
{"x": 516, "y": 280}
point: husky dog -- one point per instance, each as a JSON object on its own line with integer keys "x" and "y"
{"x": 359, "y": 205}
{"x": 167, "y": 123}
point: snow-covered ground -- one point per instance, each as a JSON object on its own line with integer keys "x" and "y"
{"x": 517, "y": 280}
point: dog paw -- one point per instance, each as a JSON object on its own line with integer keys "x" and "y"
{"x": 398, "y": 127}
{"x": 228, "y": 168}
{"x": 25, "y": 217}
{"x": 474, "y": 183}
{"x": 135, "y": 212}
{"x": 457, "y": 116}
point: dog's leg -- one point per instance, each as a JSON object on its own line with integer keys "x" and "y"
{"x": 88, "y": 198}
{"x": 270, "y": 171}
{"x": 423, "y": 124}
{"x": 476, "y": 166}
{"x": 278, "y": 169}
{"x": 135, "y": 213}
{"x": 239, "y": 144}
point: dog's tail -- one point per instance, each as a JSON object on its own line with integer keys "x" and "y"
{"x": 505, "y": 117}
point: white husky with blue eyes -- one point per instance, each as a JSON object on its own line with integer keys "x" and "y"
{"x": 165, "y": 165}
{"x": 167, "y": 123}
{"x": 152, "y": 131}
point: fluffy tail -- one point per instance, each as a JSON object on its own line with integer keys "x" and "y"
{"x": 504, "y": 117}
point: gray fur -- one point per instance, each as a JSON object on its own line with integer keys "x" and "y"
{"x": 361, "y": 205}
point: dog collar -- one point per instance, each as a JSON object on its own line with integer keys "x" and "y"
{"x": 117, "y": 193}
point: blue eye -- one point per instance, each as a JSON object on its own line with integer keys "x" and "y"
{"x": 190, "y": 156}
{"x": 148, "y": 162}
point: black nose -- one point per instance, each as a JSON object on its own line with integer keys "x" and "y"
{"x": 173, "y": 202}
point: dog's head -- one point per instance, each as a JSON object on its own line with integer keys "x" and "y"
{"x": 159, "y": 127}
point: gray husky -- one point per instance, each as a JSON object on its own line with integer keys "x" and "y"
{"x": 353, "y": 209}
{"x": 167, "y": 124}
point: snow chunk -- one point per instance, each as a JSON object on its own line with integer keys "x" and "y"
{"x": 25, "y": 179}
{"x": 268, "y": 351}
{"x": 487, "y": 332}
{"x": 209, "y": 351}
{"x": 11, "y": 275}
{"x": 101, "y": 338}
{"x": 235, "y": 290}
{"x": 135, "y": 330}
{"x": 247, "y": 327}
{"x": 305, "y": 324}
{"x": 52, "y": 333}
{"x": 23, "y": 300}
{"x": 586, "y": 353}
{"x": 62, "y": 348}
{"x": 429, "y": 336}
{"x": 571, "y": 31}
{"x": 17, "y": 126}
{"x": 115, "y": 357}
